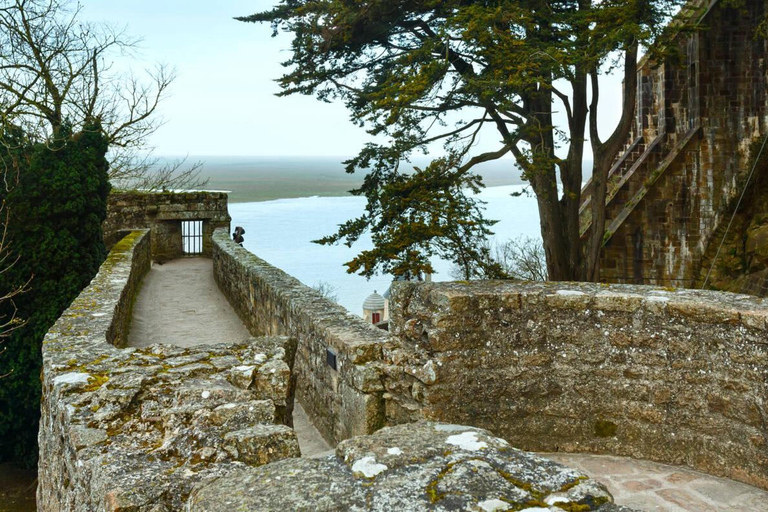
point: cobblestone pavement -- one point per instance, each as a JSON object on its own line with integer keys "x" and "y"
{"x": 653, "y": 487}
{"x": 180, "y": 304}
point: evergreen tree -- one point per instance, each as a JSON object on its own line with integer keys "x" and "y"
{"x": 415, "y": 72}
{"x": 56, "y": 205}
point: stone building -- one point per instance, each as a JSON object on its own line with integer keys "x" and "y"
{"x": 180, "y": 223}
{"x": 375, "y": 309}
{"x": 701, "y": 120}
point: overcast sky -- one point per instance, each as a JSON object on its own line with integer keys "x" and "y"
{"x": 223, "y": 102}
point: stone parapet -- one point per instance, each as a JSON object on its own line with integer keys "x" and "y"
{"x": 135, "y": 429}
{"x": 675, "y": 376}
{"x": 342, "y": 401}
{"x": 420, "y": 466}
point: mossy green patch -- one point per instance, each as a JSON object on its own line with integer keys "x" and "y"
{"x": 605, "y": 428}
{"x": 572, "y": 506}
{"x": 571, "y": 485}
{"x": 95, "y": 382}
{"x": 432, "y": 493}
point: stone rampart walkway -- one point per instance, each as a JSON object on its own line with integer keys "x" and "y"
{"x": 180, "y": 304}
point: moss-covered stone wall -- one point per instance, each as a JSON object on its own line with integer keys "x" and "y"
{"x": 343, "y": 401}
{"x": 127, "y": 429}
{"x": 673, "y": 376}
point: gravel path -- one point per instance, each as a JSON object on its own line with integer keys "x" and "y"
{"x": 180, "y": 304}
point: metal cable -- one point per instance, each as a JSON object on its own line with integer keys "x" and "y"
{"x": 733, "y": 216}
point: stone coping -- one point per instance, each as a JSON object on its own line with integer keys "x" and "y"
{"x": 705, "y": 306}
{"x": 349, "y": 333}
{"x": 181, "y": 194}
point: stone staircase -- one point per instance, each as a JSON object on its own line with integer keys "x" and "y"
{"x": 637, "y": 168}
{"x": 621, "y": 167}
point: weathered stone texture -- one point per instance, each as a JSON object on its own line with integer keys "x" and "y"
{"x": 704, "y": 108}
{"x": 415, "y": 467}
{"x": 162, "y": 213}
{"x": 672, "y": 376}
{"x": 341, "y": 403}
{"x": 136, "y": 429}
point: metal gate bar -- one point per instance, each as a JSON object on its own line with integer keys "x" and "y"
{"x": 192, "y": 236}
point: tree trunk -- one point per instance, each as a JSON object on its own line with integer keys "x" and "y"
{"x": 604, "y": 155}
{"x": 554, "y": 225}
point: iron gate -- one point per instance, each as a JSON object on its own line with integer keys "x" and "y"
{"x": 192, "y": 236}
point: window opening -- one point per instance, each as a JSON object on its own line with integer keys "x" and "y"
{"x": 192, "y": 236}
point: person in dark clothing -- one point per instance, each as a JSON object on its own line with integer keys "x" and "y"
{"x": 237, "y": 236}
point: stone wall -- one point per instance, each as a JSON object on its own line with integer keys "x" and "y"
{"x": 341, "y": 402}
{"x": 162, "y": 213}
{"x": 707, "y": 105}
{"x": 415, "y": 467}
{"x": 672, "y": 376}
{"x": 164, "y": 428}
{"x": 127, "y": 429}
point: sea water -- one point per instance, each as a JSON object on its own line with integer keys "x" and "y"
{"x": 281, "y": 232}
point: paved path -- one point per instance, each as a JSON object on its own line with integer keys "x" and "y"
{"x": 311, "y": 442}
{"x": 645, "y": 485}
{"x": 180, "y": 304}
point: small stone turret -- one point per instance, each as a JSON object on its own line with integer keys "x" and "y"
{"x": 374, "y": 307}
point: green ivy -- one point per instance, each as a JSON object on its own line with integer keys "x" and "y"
{"x": 56, "y": 203}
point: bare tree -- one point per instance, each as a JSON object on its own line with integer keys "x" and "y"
{"x": 10, "y": 321}
{"x": 57, "y": 71}
{"x": 327, "y": 290}
{"x": 518, "y": 258}
{"x": 142, "y": 171}
{"x": 523, "y": 258}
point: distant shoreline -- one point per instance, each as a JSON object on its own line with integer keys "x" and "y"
{"x": 257, "y": 179}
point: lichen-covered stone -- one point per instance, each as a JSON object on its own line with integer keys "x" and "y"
{"x": 134, "y": 429}
{"x": 414, "y": 467}
{"x": 261, "y": 444}
{"x": 676, "y": 376}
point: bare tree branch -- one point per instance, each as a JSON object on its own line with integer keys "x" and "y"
{"x": 57, "y": 71}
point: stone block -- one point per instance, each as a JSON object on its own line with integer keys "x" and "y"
{"x": 244, "y": 413}
{"x": 272, "y": 381}
{"x": 262, "y": 444}
{"x": 360, "y": 413}
{"x": 420, "y": 466}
